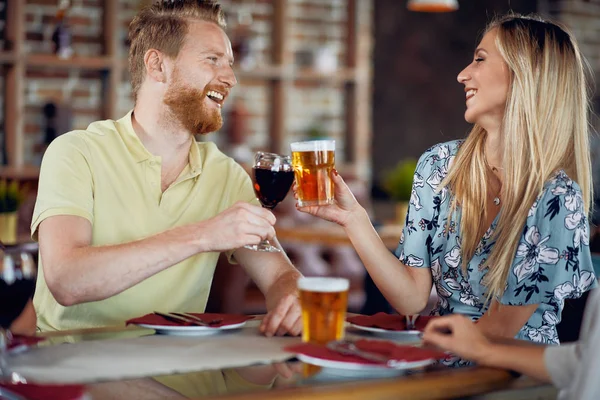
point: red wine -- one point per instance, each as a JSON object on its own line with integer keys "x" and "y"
{"x": 13, "y": 299}
{"x": 271, "y": 187}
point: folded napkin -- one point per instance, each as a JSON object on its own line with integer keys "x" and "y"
{"x": 395, "y": 354}
{"x": 392, "y": 322}
{"x": 227, "y": 319}
{"x": 32, "y": 391}
{"x": 21, "y": 341}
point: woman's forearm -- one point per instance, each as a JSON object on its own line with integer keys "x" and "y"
{"x": 406, "y": 290}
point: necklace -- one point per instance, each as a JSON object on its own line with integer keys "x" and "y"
{"x": 497, "y": 198}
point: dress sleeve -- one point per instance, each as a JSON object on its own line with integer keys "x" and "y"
{"x": 65, "y": 184}
{"x": 422, "y": 215}
{"x": 553, "y": 260}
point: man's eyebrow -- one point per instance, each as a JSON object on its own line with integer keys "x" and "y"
{"x": 217, "y": 53}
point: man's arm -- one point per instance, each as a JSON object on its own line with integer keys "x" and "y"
{"x": 77, "y": 272}
{"x": 277, "y": 279}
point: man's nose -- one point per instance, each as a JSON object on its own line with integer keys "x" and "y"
{"x": 228, "y": 77}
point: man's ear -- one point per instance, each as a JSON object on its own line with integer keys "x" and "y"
{"x": 155, "y": 65}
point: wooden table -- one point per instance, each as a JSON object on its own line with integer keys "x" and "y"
{"x": 332, "y": 234}
{"x": 441, "y": 383}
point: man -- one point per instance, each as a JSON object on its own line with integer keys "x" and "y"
{"x": 132, "y": 214}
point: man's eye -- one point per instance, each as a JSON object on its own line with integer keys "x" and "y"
{"x": 214, "y": 59}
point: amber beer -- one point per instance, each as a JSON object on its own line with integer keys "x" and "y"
{"x": 324, "y": 302}
{"x": 313, "y": 162}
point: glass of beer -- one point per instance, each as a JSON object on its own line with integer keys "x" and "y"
{"x": 313, "y": 162}
{"x": 324, "y": 302}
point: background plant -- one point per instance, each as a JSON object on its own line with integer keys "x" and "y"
{"x": 11, "y": 196}
{"x": 398, "y": 181}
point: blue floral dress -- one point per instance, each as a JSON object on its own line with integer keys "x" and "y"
{"x": 552, "y": 262}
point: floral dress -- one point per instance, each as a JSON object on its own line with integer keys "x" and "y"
{"x": 552, "y": 262}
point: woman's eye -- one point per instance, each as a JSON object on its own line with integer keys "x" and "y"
{"x": 478, "y": 60}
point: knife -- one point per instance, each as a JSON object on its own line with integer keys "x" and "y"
{"x": 179, "y": 319}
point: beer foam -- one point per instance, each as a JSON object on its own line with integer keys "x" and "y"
{"x": 324, "y": 285}
{"x": 314, "y": 145}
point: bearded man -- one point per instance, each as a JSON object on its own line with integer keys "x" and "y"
{"x": 132, "y": 214}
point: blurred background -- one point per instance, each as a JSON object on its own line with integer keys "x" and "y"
{"x": 374, "y": 75}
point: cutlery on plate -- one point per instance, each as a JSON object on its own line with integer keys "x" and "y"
{"x": 348, "y": 348}
{"x": 198, "y": 319}
{"x": 179, "y": 319}
{"x": 411, "y": 320}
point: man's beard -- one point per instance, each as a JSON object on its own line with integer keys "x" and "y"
{"x": 188, "y": 107}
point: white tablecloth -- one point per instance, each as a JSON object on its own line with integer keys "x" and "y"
{"x": 116, "y": 359}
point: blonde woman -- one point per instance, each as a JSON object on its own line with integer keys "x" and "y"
{"x": 499, "y": 221}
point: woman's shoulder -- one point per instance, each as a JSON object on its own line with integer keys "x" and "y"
{"x": 560, "y": 191}
{"x": 439, "y": 154}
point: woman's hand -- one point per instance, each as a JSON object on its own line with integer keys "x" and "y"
{"x": 459, "y": 335}
{"x": 345, "y": 207}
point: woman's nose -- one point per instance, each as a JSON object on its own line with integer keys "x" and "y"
{"x": 463, "y": 76}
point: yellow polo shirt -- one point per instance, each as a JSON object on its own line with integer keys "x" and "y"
{"x": 105, "y": 175}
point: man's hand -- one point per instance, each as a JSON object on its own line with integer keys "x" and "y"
{"x": 284, "y": 318}
{"x": 457, "y": 334}
{"x": 240, "y": 225}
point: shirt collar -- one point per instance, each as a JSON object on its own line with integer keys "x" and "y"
{"x": 132, "y": 141}
{"x": 140, "y": 153}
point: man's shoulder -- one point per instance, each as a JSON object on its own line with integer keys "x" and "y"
{"x": 95, "y": 130}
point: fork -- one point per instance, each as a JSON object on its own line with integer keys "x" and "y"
{"x": 347, "y": 347}
{"x": 179, "y": 318}
{"x": 197, "y": 319}
{"x": 410, "y": 322}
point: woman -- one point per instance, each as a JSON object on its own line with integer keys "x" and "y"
{"x": 498, "y": 221}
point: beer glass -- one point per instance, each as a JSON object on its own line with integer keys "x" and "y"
{"x": 313, "y": 162}
{"x": 273, "y": 177}
{"x": 324, "y": 302}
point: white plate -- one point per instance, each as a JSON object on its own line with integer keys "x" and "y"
{"x": 192, "y": 330}
{"x": 359, "y": 366}
{"x": 413, "y": 335}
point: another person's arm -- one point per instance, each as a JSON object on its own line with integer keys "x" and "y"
{"x": 457, "y": 334}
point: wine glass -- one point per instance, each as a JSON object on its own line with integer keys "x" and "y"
{"x": 273, "y": 176}
{"x": 17, "y": 284}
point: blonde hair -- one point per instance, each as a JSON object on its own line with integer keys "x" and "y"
{"x": 544, "y": 129}
{"x": 163, "y": 26}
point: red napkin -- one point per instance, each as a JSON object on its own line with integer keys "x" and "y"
{"x": 393, "y": 352}
{"x": 227, "y": 319}
{"x": 32, "y": 391}
{"x": 19, "y": 341}
{"x": 392, "y": 322}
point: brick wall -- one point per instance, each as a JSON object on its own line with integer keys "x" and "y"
{"x": 313, "y": 23}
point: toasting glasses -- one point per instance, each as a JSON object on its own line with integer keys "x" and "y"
{"x": 273, "y": 177}
{"x": 17, "y": 283}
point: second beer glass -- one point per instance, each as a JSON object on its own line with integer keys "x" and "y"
{"x": 324, "y": 302}
{"x": 313, "y": 162}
